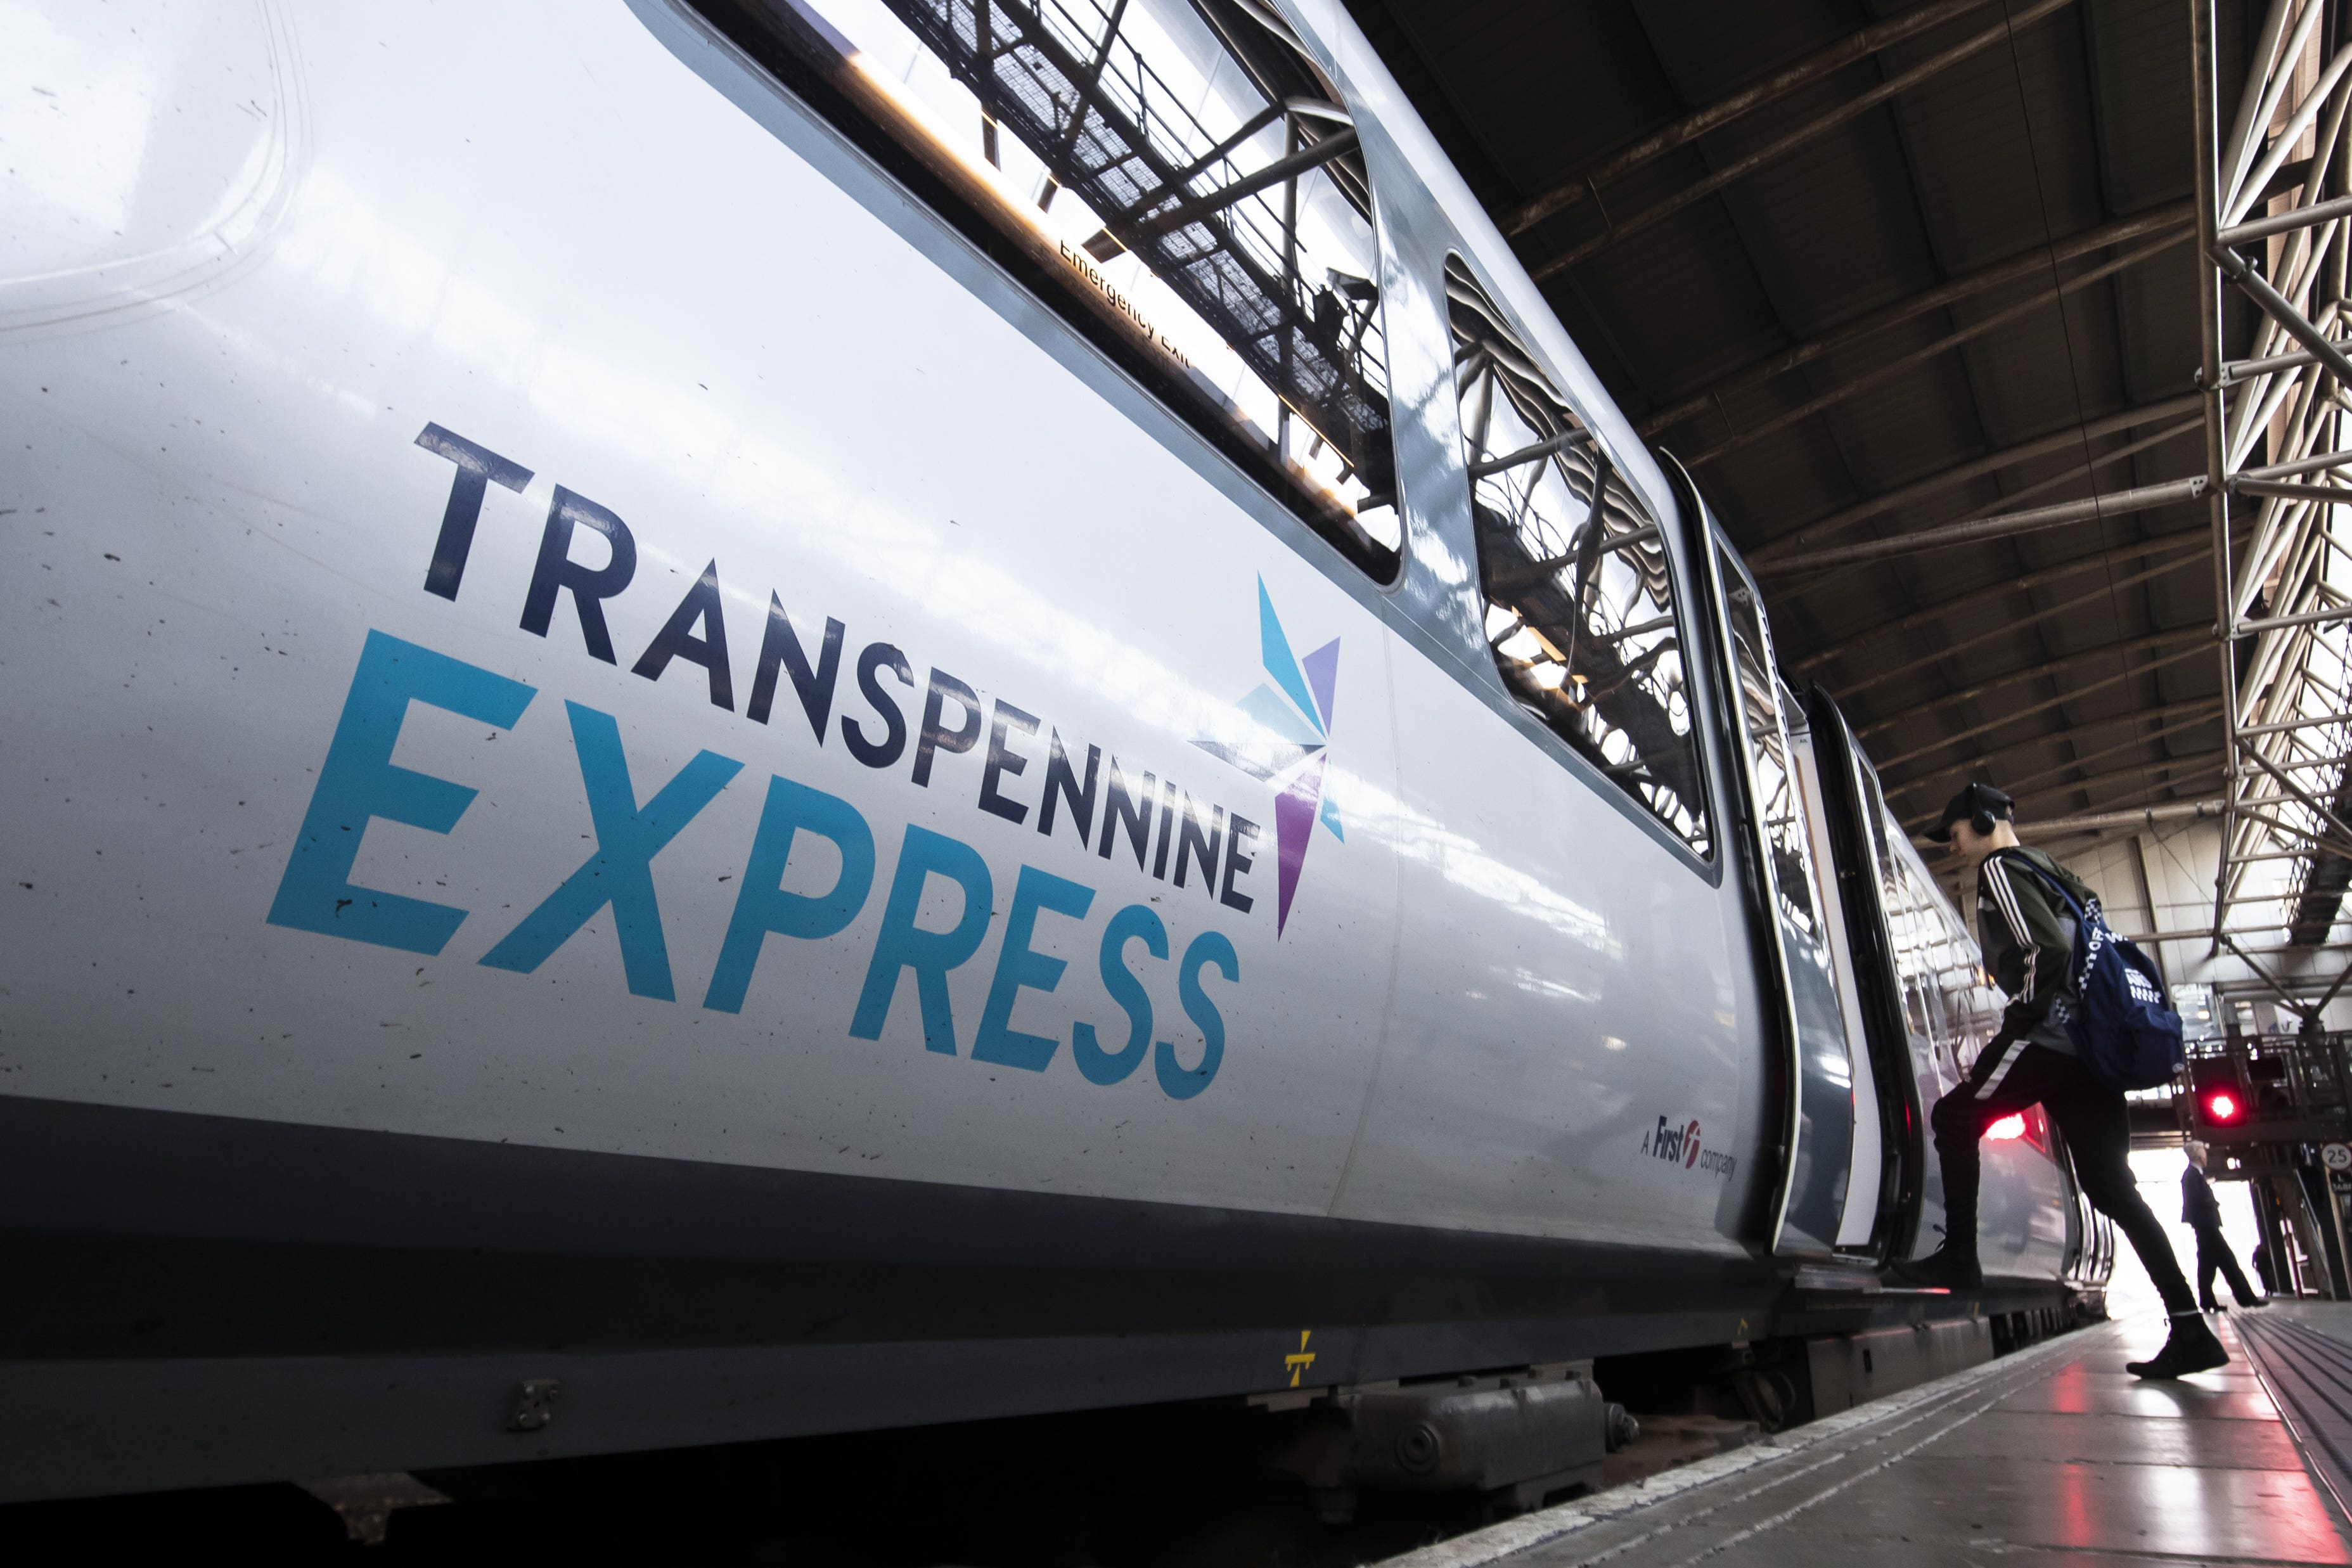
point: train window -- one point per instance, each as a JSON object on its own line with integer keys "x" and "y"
{"x": 1920, "y": 938}
{"x": 1778, "y": 806}
{"x": 1577, "y": 580}
{"x": 1949, "y": 999}
{"x": 1174, "y": 176}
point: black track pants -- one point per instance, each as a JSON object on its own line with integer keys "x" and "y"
{"x": 2008, "y": 1077}
{"x": 2213, "y": 1253}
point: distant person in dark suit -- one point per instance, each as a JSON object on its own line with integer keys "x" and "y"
{"x": 2202, "y": 1211}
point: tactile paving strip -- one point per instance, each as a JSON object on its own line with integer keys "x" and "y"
{"x": 2057, "y": 1453}
{"x": 2310, "y": 1373}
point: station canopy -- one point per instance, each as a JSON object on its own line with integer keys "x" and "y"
{"x": 1875, "y": 272}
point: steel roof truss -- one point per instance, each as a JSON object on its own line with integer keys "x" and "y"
{"x": 2286, "y": 727}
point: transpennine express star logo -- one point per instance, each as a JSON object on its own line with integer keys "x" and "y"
{"x": 1291, "y": 719}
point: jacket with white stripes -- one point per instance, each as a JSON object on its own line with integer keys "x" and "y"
{"x": 2027, "y": 935}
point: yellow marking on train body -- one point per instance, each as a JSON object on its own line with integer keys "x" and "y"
{"x": 1302, "y": 1359}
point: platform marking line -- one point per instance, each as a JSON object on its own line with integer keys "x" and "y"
{"x": 1777, "y": 1481}
{"x": 1681, "y": 1520}
{"x": 1512, "y": 1536}
{"x": 1497, "y": 1541}
{"x": 1696, "y": 1515}
{"x": 1785, "y": 1515}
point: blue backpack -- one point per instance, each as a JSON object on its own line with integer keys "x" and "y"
{"x": 2127, "y": 1033}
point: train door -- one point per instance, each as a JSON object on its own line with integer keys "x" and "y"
{"x": 1858, "y": 1218}
{"x": 1852, "y": 813}
{"x": 1818, "y": 1136}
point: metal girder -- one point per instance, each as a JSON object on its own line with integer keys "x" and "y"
{"x": 2049, "y": 667}
{"x": 2001, "y": 525}
{"x": 2285, "y": 222}
{"x": 2007, "y": 504}
{"x": 1529, "y": 454}
{"x": 1182, "y": 179}
{"x": 2236, "y": 371}
{"x": 1191, "y": 209}
{"x": 2026, "y": 267}
{"x": 2203, "y": 91}
{"x": 2072, "y": 439}
{"x": 1932, "y": 785}
{"x": 1088, "y": 85}
{"x": 1222, "y": 259}
{"x": 2280, "y": 308}
{"x": 2176, "y": 551}
{"x": 2285, "y": 726}
{"x": 1957, "y": 337}
{"x": 1929, "y": 790}
{"x": 2281, "y": 988}
{"x": 2313, "y": 464}
{"x": 2318, "y": 495}
{"x": 2281, "y": 623}
{"x": 2306, "y": 766}
{"x": 1587, "y": 182}
{"x": 2275, "y": 431}
{"x": 2014, "y": 714}
{"x": 2148, "y": 816}
{"x": 2299, "y": 792}
{"x": 2188, "y": 714}
{"x": 1789, "y": 142}
{"x": 2315, "y": 843}
{"x": 2007, "y": 627}
{"x": 2196, "y": 766}
{"x": 2139, "y": 816}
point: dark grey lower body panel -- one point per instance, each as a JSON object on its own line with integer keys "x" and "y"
{"x": 83, "y": 1427}
{"x": 196, "y": 1300}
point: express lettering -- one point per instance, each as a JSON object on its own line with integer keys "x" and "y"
{"x": 359, "y": 783}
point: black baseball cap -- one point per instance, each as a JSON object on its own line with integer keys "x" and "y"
{"x": 1975, "y": 798}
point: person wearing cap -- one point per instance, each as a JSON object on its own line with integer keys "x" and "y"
{"x": 2027, "y": 935}
{"x": 2200, "y": 1211}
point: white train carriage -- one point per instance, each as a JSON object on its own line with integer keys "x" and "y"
{"x": 815, "y": 715}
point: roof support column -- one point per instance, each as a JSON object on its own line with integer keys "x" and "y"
{"x": 2206, "y": 158}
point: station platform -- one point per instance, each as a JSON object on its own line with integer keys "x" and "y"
{"x": 2053, "y": 1454}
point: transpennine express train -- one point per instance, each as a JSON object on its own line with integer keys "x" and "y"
{"x": 738, "y": 718}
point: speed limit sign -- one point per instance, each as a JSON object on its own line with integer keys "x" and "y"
{"x": 2336, "y": 1156}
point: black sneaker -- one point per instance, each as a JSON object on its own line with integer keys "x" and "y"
{"x": 1942, "y": 1269}
{"x": 2191, "y": 1348}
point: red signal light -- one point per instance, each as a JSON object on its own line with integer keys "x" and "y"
{"x": 2008, "y": 1127}
{"x": 2223, "y": 1106}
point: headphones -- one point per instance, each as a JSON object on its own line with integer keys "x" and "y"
{"x": 1991, "y": 807}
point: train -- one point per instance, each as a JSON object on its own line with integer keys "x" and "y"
{"x": 739, "y": 719}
